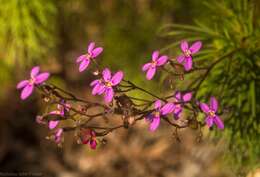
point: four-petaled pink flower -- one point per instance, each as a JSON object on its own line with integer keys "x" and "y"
{"x": 89, "y": 137}
{"x": 210, "y": 111}
{"x": 155, "y": 117}
{"x": 61, "y": 110}
{"x": 27, "y": 86}
{"x": 85, "y": 59}
{"x": 106, "y": 84}
{"x": 186, "y": 57}
{"x": 58, "y": 135}
{"x": 180, "y": 99}
{"x": 152, "y": 66}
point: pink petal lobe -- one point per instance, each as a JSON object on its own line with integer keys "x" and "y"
{"x": 53, "y": 124}
{"x": 155, "y": 123}
{"x": 35, "y": 70}
{"x": 93, "y": 144}
{"x": 98, "y": 89}
{"x": 97, "y": 81}
{"x": 178, "y": 95}
{"x": 150, "y": 73}
{"x": 162, "y": 60}
{"x": 27, "y": 91}
{"x": 106, "y": 74}
{"x": 187, "y": 96}
{"x": 91, "y": 46}
{"x": 109, "y": 94}
{"x": 204, "y": 107}
{"x": 81, "y": 58}
{"x": 218, "y": 122}
{"x": 83, "y": 65}
{"x": 180, "y": 58}
{"x": 96, "y": 52}
{"x": 167, "y": 108}
{"x": 209, "y": 121}
{"x": 188, "y": 64}
{"x": 195, "y": 47}
{"x": 146, "y": 66}
{"x": 116, "y": 79}
{"x": 213, "y": 104}
{"x": 22, "y": 84}
{"x": 157, "y": 104}
{"x": 155, "y": 55}
{"x": 184, "y": 46}
{"x": 41, "y": 78}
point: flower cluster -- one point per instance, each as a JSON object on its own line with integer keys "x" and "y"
{"x": 108, "y": 83}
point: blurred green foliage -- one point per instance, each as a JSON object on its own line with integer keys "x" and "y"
{"x": 231, "y": 36}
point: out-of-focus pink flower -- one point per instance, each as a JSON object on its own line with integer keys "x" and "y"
{"x": 210, "y": 110}
{"x": 180, "y": 99}
{"x": 61, "y": 110}
{"x": 187, "y": 52}
{"x": 85, "y": 59}
{"x": 36, "y": 78}
{"x": 89, "y": 137}
{"x": 155, "y": 117}
{"x": 152, "y": 66}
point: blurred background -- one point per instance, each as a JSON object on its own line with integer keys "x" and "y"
{"x": 53, "y": 33}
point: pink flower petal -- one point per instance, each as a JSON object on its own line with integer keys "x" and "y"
{"x": 146, "y": 66}
{"x": 180, "y": 58}
{"x": 41, "y": 78}
{"x": 150, "y": 73}
{"x": 184, "y": 46}
{"x": 91, "y": 46}
{"x": 98, "y": 89}
{"x": 213, "y": 104}
{"x": 116, "y": 79}
{"x": 106, "y": 74}
{"x": 195, "y": 47}
{"x": 83, "y": 65}
{"x": 96, "y": 52}
{"x": 167, "y": 108}
{"x": 58, "y": 134}
{"x": 22, "y": 84}
{"x": 187, "y": 96}
{"x": 204, "y": 107}
{"x": 35, "y": 70}
{"x": 53, "y": 124}
{"x": 162, "y": 60}
{"x": 157, "y": 104}
{"x": 218, "y": 122}
{"x": 95, "y": 82}
{"x": 27, "y": 91}
{"x": 155, "y": 55}
{"x": 109, "y": 94}
{"x": 209, "y": 121}
{"x": 81, "y": 58}
{"x": 188, "y": 64}
{"x": 178, "y": 96}
{"x": 155, "y": 123}
{"x": 93, "y": 144}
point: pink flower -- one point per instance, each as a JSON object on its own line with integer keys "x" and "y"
{"x": 27, "y": 86}
{"x": 152, "y": 66}
{"x": 85, "y": 59}
{"x": 178, "y": 106}
{"x": 61, "y": 110}
{"x": 89, "y": 137}
{"x": 58, "y": 135}
{"x": 155, "y": 117}
{"x": 186, "y": 57}
{"x": 106, "y": 84}
{"x": 210, "y": 111}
